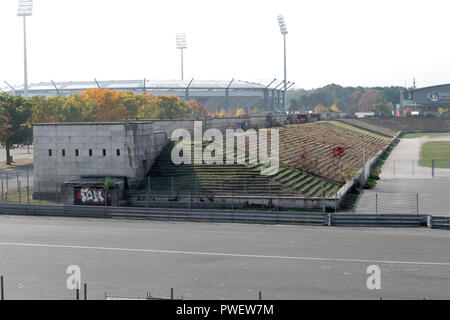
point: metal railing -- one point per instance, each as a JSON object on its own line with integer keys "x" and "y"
{"x": 236, "y": 216}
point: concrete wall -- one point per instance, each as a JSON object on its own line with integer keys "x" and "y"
{"x": 139, "y": 143}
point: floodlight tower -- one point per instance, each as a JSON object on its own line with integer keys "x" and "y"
{"x": 181, "y": 44}
{"x": 284, "y": 32}
{"x": 25, "y": 9}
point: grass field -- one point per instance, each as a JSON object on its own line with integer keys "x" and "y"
{"x": 425, "y": 134}
{"x": 435, "y": 150}
{"x": 15, "y": 197}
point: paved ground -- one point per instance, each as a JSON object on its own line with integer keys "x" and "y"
{"x": 220, "y": 261}
{"x": 403, "y": 162}
{"x": 9, "y": 177}
{"x": 10, "y": 174}
{"x": 18, "y": 153}
{"x": 402, "y": 179}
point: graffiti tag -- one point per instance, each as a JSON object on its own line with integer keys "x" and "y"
{"x": 91, "y": 195}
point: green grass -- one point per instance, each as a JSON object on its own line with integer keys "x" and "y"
{"x": 435, "y": 150}
{"x": 13, "y": 197}
{"x": 424, "y": 134}
{"x": 376, "y": 169}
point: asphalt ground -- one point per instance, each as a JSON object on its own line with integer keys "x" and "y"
{"x": 129, "y": 258}
{"x": 402, "y": 178}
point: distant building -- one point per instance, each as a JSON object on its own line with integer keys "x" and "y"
{"x": 426, "y": 100}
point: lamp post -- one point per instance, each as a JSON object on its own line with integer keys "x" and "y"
{"x": 284, "y": 32}
{"x": 181, "y": 44}
{"x": 25, "y": 9}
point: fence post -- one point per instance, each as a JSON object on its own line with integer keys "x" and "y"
{"x": 148, "y": 191}
{"x": 260, "y": 295}
{"x": 85, "y": 291}
{"x": 323, "y": 198}
{"x": 171, "y": 293}
{"x": 417, "y": 203}
{"x": 17, "y": 179}
{"x": 432, "y": 168}
{"x": 2, "y": 190}
{"x": 77, "y": 293}
{"x": 376, "y": 203}
{"x": 335, "y": 202}
{"x": 39, "y": 189}
{"x": 2, "y": 289}
{"x": 20, "y": 198}
{"x": 172, "y": 186}
{"x": 232, "y": 200}
{"x": 413, "y": 167}
{"x": 196, "y": 186}
{"x": 189, "y": 205}
{"x": 6, "y": 191}
{"x": 28, "y": 189}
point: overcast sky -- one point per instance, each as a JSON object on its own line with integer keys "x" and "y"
{"x": 367, "y": 43}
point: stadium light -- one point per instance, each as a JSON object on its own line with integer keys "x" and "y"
{"x": 25, "y": 9}
{"x": 284, "y": 32}
{"x": 181, "y": 44}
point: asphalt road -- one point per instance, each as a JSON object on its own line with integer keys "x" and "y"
{"x": 219, "y": 261}
{"x": 402, "y": 180}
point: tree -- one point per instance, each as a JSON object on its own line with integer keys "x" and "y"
{"x": 442, "y": 111}
{"x": 15, "y": 122}
{"x": 381, "y": 109}
{"x": 165, "y": 107}
{"x": 47, "y": 109}
{"x": 257, "y": 112}
{"x": 133, "y": 102}
{"x": 109, "y": 105}
{"x": 221, "y": 114}
{"x": 240, "y": 112}
{"x": 197, "y": 109}
{"x": 321, "y": 109}
{"x": 334, "y": 108}
{"x": 369, "y": 98}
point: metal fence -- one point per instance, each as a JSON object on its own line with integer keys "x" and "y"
{"x": 388, "y": 203}
{"x": 440, "y": 222}
{"x": 238, "y": 185}
{"x": 236, "y": 216}
{"x": 416, "y": 169}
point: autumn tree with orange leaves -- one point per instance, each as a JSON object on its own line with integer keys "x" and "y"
{"x": 109, "y": 105}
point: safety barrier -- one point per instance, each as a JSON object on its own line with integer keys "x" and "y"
{"x": 440, "y": 222}
{"x": 377, "y": 220}
{"x": 234, "y": 216}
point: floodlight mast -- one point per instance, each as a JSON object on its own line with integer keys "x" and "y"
{"x": 284, "y": 32}
{"x": 181, "y": 44}
{"x": 25, "y": 9}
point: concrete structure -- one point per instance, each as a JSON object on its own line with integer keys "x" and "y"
{"x": 70, "y": 153}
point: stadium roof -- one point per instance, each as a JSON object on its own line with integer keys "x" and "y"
{"x": 137, "y": 84}
{"x": 213, "y": 94}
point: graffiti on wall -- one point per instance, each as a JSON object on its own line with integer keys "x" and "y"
{"x": 88, "y": 195}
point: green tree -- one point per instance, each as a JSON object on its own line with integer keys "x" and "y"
{"x": 15, "y": 122}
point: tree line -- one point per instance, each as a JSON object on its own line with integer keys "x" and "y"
{"x": 18, "y": 114}
{"x": 335, "y": 98}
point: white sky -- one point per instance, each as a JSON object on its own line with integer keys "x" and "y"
{"x": 348, "y": 42}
